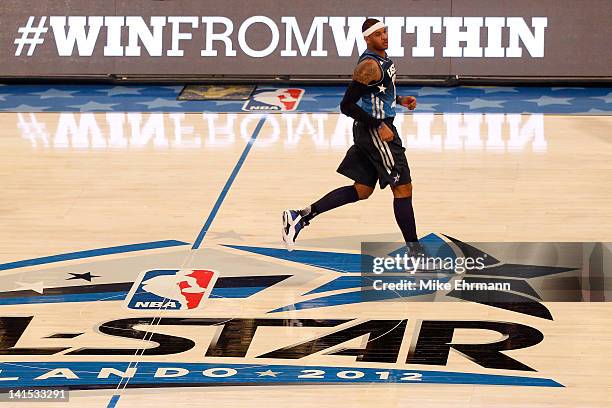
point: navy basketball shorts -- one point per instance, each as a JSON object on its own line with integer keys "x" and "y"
{"x": 370, "y": 159}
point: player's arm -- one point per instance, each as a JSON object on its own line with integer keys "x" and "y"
{"x": 366, "y": 72}
{"x": 406, "y": 101}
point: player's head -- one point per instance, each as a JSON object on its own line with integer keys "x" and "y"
{"x": 375, "y": 34}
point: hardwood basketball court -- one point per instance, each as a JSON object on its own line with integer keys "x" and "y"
{"x": 92, "y": 201}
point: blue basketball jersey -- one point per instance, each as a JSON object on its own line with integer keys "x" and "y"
{"x": 380, "y": 101}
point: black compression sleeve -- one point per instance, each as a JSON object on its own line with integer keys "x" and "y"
{"x": 349, "y": 106}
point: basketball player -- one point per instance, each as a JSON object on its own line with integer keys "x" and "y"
{"x": 377, "y": 153}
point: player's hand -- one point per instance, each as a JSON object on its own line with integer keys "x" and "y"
{"x": 408, "y": 102}
{"x": 385, "y": 133}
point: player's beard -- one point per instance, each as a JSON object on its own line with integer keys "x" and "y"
{"x": 383, "y": 46}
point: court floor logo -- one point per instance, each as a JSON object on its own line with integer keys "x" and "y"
{"x": 274, "y": 99}
{"x": 301, "y": 342}
{"x": 171, "y": 289}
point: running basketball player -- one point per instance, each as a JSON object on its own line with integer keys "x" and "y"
{"x": 377, "y": 152}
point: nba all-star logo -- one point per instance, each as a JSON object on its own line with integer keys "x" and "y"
{"x": 189, "y": 295}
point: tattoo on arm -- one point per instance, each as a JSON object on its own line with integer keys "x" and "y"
{"x": 366, "y": 72}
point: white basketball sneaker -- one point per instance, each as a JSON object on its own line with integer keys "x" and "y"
{"x": 292, "y": 225}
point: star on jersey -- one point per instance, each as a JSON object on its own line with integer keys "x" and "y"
{"x": 382, "y": 88}
{"x": 396, "y": 178}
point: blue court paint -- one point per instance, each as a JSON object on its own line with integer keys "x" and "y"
{"x": 113, "y": 401}
{"x": 219, "y": 293}
{"x": 343, "y": 282}
{"x": 228, "y": 184}
{"x": 64, "y": 298}
{"x": 243, "y": 374}
{"x": 343, "y": 262}
{"x": 91, "y": 253}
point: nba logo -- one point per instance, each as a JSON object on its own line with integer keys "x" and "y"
{"x": 171, "y": 289}
{"x": 274, "y": 99}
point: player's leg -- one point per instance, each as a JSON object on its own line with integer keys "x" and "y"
{"x": 404, "y": 213}
{"x": 295, "y": 220}
{"x": 363, "y": 191}
{"x": 336, "y": 198}
{"x": 355, "y": 166}
{"x": 392, "y": 165}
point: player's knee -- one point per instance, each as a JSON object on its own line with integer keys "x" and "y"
{"x": 363, "y": 191}
{"x": 402, "y": 191}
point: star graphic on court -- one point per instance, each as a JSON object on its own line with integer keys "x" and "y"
{"x": 161, "y": 103}
{"x": 478, "y": 103}
{"x": 35, "y": 286}
{"x": 522, "y": 297}
{"x": 3, "y": 97}
{"x": 176, "y": 89}
{"x": 430, "y": 90}
{"x": 26, "y": 108}
{"x": 382, "y": 88}
{"x": 121, "y": 90}
{"x": 54, "y": 93}
{"x": 548, "y": 100}
{"x": 607, "y": 98}
{"x": 94, "y": 106}
{"x": 599, "y": 111}
{"x": 85, "y": 276}
{"x": 268, "y": 373}
{"x": 498, "y": 89}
